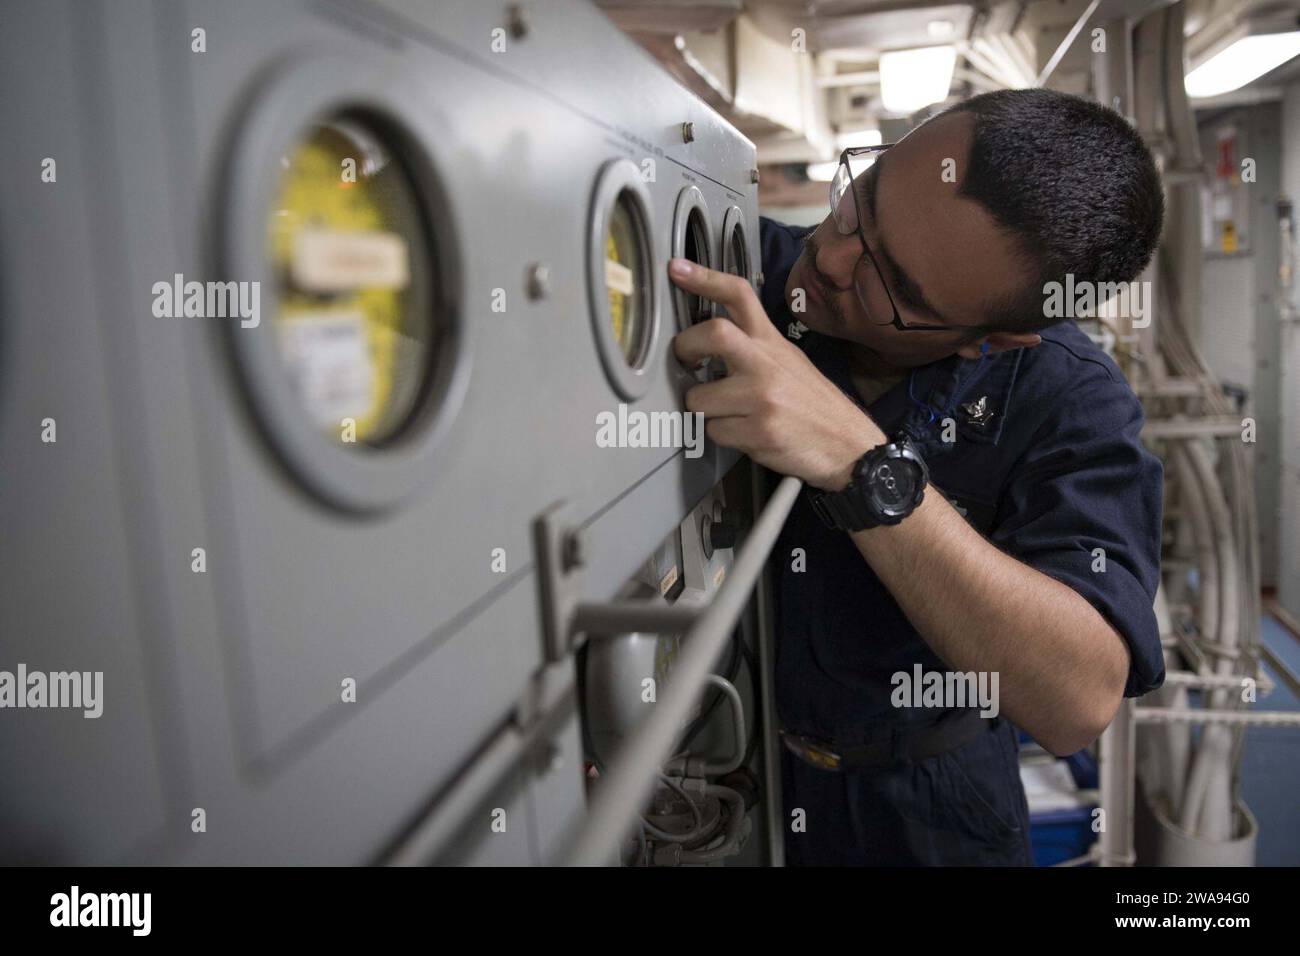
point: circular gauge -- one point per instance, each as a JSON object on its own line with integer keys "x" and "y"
{"x": 331, "y": 202}
{"x": 353, "y": 323}
{"x": 735, "y": 250}
{"x": 693, "y": 240}
{"x": 621, "y": 277}
{"x": 623, "y": 261}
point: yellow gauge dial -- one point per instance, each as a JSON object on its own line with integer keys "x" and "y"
{"x": 353, "y": 323}
{"x": 624, "y": 281}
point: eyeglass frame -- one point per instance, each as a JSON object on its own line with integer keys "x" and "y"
{"x": 897, "y": 320}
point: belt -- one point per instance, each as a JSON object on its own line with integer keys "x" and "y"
{"x": 892, "y": 745}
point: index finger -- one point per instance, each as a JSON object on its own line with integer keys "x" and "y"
{"x": 728, "y": 290}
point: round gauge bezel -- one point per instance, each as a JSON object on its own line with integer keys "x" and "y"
{"x": 733, "y": 224}
{"x": 690, "y": 201}
{"x": 300, "y": 97}
{"x": 618, "y": 178}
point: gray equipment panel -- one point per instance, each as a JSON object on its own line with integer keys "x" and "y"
{"x": 223, "y": 689}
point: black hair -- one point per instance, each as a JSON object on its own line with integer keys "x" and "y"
{"x": 1072, "y": 181}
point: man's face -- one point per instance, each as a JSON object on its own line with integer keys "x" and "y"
{"x": 944, "y": 259}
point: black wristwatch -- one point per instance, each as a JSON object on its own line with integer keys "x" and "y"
{"x": 887, "y": 485}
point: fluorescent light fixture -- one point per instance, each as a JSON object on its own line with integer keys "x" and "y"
{"x": 911, "y": 79}
{"x": 862, "y": 137}
{"x": 1247, "y": 59}
{"x": 822, "y": 172}
{"x": 939, "y": 29}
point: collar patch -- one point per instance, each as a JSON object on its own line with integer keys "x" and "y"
{"x": 978, "y": 412}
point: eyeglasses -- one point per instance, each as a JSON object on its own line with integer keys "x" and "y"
{"x": 868, "y": 281}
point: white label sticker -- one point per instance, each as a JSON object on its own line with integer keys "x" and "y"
{"x": 618, "y": 277}
{"x": 329, "y": 365}
{"x": 668, "y": 580}
{"x": 336, "y": 260}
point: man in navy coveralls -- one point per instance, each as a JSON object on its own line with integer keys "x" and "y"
{"x": 921, "y": 314}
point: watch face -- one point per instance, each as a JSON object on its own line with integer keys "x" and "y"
{"x": 893, "y": 483}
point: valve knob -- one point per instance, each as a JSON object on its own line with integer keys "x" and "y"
{"x": 724, "y": 530}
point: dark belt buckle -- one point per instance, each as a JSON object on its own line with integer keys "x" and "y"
{"x": 811, "y": 751}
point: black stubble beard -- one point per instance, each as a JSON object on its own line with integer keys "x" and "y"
{"x": 811, "y": 275}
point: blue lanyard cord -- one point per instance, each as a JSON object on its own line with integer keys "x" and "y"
{"x": 956, "y": 392}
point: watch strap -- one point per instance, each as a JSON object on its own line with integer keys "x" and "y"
{"x": 842, "y": 510}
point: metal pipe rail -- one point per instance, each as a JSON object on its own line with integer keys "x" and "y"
{"x": 1226, "y": 681}
{"x": 1217, "y": 426}
{"x": 1064, "y": 47}
{"x": 1118, "y": 753}
{"x": 1179, "y": 715}
{"x": 621, "y": 792}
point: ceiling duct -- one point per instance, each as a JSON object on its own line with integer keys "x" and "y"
{"x": 671, "y": 16}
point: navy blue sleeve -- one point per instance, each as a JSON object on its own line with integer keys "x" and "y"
{"x": 1087, "y": 483}
{"x": 779, "y": 246}
{"x": 775, "y": 243}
